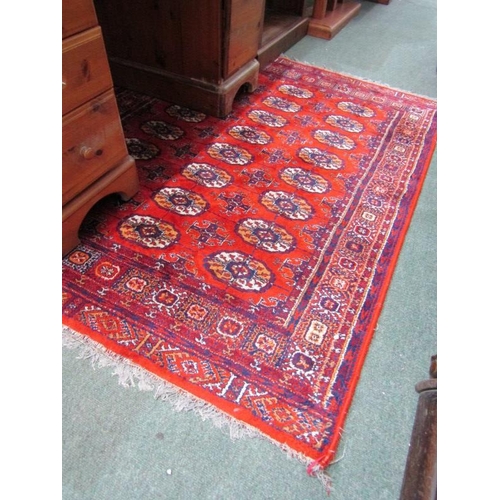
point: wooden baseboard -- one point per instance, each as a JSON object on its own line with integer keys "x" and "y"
{"x": 334, "y": 20}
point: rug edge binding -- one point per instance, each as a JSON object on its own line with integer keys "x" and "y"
{"x": 131, "y": 375}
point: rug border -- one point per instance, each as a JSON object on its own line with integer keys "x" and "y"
{"x": 386, "y": 86}
{"x": 329, "y": 453}
{"x": 226, "y": 407}
{"x": 131, "y": 374}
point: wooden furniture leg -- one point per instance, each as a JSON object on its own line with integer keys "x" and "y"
{"x": 420, "y": 478}
{"x": 122, "y": 180}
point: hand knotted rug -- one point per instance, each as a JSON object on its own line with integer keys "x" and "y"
{"x": 251, "y": 268}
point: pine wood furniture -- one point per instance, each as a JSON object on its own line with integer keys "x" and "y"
{"x": 197, "y": 53}
{"x": 95, "y": 161}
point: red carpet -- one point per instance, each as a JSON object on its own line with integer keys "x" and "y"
{"x": 251, "y": 268}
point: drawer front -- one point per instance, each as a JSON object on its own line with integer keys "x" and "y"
{"x": 77, "y": 15}
{"x": 85, "y": 68}
{"x": 93, "y": 142}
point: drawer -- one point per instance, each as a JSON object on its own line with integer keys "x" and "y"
{"x": 85, "y": 68}
{"x": 77, "y": 15}
{"x": 93, "y": 143}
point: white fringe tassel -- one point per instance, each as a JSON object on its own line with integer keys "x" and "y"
{"x": 131, "y": 375}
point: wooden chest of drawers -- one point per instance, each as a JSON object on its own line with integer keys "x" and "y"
{"x": 197, "y": 53}
{"x": 95, "y": 161}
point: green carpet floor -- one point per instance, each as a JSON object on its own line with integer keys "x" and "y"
{"x": 122, "y": 444}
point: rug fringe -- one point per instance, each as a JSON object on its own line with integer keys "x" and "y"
{"x": 131, "y": 375}
{"x": 348, "y": 75}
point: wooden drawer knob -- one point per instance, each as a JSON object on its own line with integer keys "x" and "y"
{"x": 89, "y": 153}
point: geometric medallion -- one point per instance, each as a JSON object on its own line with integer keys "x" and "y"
{"x": 295, "y": 91}
{"x": 266, "y": 235}
{"x": 250, "y": 134}
{"x": 320, "y": 158}
{"x": 207, "y": 175}
{"x": 281, "y": 104}
{"x": 334, "y": 139}
{"x": 287, "y": 205}
{"x": 162, "y": 130}
{"x": 356, "y": 109}
{"x": 266, "y": 118}
{"x": 228, "y": 153}
{"x": 305, "y": 180}
{"x": 181, "y": 201}
{"x": 239, "y": 270}
{"x": 141, "y": 150}
{"x": 148, "y": 231}
{"x": 344, "y": 123}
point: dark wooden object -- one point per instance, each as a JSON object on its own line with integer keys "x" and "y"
{"x": 197, "y": 53}
{"x": 330, "y": 16}
{"x": 383, "y": 2}
{"x": 420, "y": 478}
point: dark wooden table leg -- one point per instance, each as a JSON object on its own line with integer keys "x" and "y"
{"x": 420, "y": 478}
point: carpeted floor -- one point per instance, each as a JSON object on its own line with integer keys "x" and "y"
{"x": 121, "y": 444}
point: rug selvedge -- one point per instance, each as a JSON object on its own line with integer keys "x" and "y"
{"x": 251, "y": 268}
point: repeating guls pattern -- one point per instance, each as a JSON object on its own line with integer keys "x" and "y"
{"x": 251, "y": 267}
